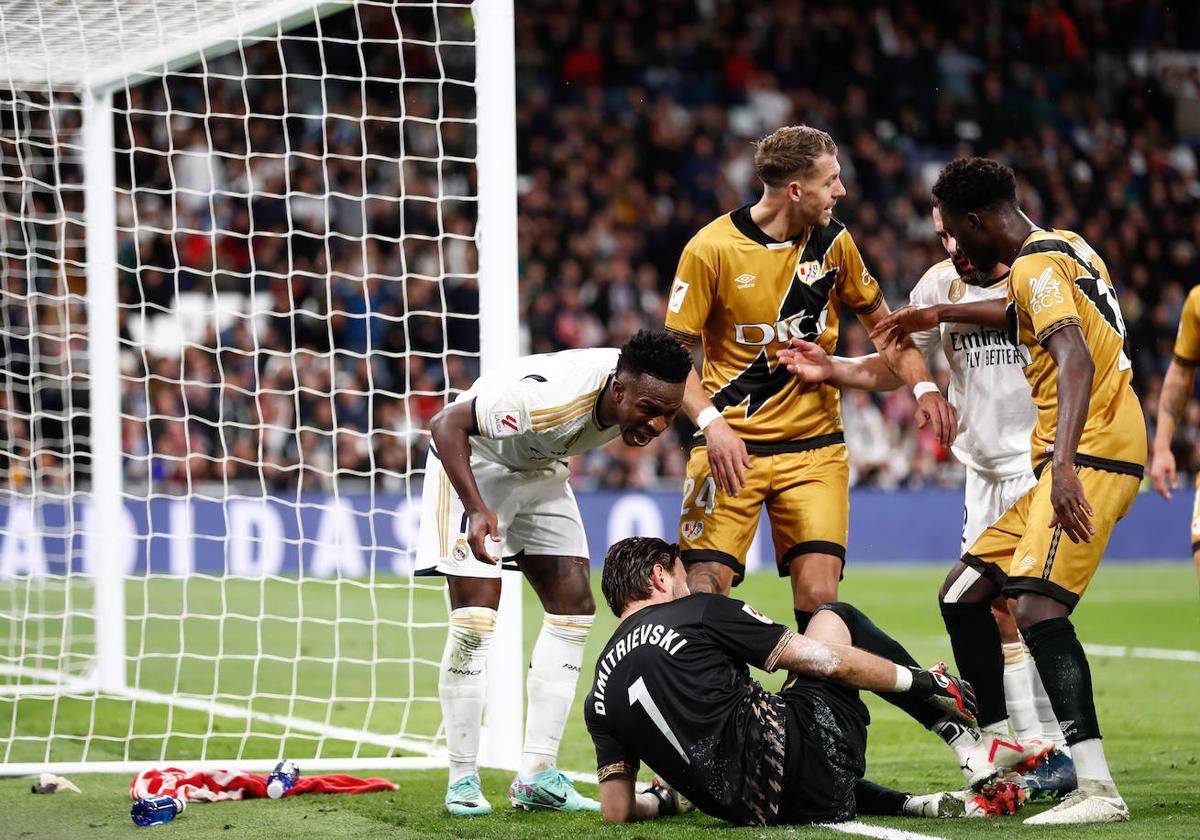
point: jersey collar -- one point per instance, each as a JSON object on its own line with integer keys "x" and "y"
{"x": 745, "y": 224}
{"x": 596, "y": 405}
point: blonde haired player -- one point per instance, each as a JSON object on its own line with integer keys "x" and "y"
{"x": 747, "y": 284}
{"x": 995, "y": 418}
{"x": 1172, "y": 399}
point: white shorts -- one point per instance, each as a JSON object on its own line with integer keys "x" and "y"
{"x": 986, "y": 500}
{"x": 536, "y": 510}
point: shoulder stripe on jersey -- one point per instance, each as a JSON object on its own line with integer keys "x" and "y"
{"x": 544, "y": 413}
{"x": 1089, "y": 285}
{"x": 558, "y": 420}
{"x": 931, "y": 272}
{"x": 1060, "y": 246}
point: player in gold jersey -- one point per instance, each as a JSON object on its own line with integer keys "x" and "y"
{"x": 1176, "y": 390}
{"x": 748, "y": 283}
{"x": 1088, "y": 451}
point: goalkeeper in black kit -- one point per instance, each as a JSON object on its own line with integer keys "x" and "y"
{"x": 673, "y": 689}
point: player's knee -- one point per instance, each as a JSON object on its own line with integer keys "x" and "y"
{"x": 811, "y": 597}
{"x": 1033, "y": 608}
{"x": 850, "y": 615}
{"x": 572, "y": 602}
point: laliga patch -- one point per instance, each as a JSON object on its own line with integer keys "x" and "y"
{"x": 503, "y": 424}
{"x": 753, "y": 613}
{"x": 678, "y": 293}
{"x": 691, "y": 529}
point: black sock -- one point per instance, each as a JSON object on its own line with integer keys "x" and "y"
{"x": 802, "y": 619}
{"x": 975, "y": 639}
{"x": 1065, "y": 673}
{"x": 876, "y": 800}
{"x": 864, "y": 634}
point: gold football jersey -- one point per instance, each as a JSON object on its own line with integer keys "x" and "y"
{"x": 1057, "y": 281}
{"x": 1187, "y": 342}
{"x": 744, "y": 295}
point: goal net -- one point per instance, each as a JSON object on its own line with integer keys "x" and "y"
{"x": 240, "y": 243}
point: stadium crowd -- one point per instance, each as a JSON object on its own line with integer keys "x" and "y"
{"x": 635, "y": 127}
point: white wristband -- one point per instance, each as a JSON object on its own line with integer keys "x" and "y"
{"x": 923, "y": 388}
{"x": 904, "y": 679}
{"x": 705, "y": 418}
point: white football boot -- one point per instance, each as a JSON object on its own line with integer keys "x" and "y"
{"x": 1092, "y": 802}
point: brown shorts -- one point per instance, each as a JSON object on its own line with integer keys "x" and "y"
{"x": 1021, "y": 552}
{"x": 805, "y": 486}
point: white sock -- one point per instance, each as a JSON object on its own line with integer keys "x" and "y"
{"x": 1051, "y": 731}
{"x": 1000, "y": 729}
{"x": 462, "y": 685}
{"x": 958, "y": 737}
{"x": 554, "y": 671}
{"x": 1090, "y": 762}
{"x": 1018, "y": 692}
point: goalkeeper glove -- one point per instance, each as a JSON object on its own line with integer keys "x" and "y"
{"x": 949, "y": 694}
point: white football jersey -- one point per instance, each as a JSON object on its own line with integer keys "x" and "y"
{"x": 540, "y": 409}
{"x": 988, "y": 388}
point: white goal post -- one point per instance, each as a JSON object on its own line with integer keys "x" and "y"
{"x": 246, "y": 245}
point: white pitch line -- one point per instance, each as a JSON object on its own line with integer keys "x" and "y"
{"x": 878, "y": 831}
{"x": 1115, "y": 651}
{"x": 1121, "y": 651}
{"x": 862, "y": 829}
{"x": 76, "y": 685}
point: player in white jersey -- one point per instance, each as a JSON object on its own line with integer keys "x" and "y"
{"x": 992, "y": 398}
{"x": 496, "y": 493}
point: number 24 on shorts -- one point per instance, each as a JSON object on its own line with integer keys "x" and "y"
{"x": 706, "y": 496}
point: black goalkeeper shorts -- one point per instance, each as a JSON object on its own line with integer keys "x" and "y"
{"x": 826, "y": 751}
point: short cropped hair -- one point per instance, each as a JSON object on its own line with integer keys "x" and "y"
{"x": 627, "y": 568}
{"x": 790, "y": 153}
{"x": 967, "y": 185}
{"x": 655, "y": 354}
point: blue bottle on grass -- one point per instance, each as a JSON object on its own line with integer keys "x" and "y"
{"x": 156, "y": 809}
{"x": 282, "y": 778}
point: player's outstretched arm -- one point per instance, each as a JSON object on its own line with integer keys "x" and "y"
{"x": 896, "y": 326}
{"x": 1076, "y": 369}
{"x": 1176, "y": 388}
{"x": 902, "y": 356}
{"x": 620, "y": 804}
{"x": 809, "y": 361}
{"x": 451, "y": 429}
{"x": 856, "y": 668}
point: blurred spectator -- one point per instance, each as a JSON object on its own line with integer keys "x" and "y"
{"x": 339, "y": 213}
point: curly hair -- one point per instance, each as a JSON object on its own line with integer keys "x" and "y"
{"x": 969, "y": 184}
{"x": 655, "y": 354}
{"x": 789, "y": 153}
{"x": 627, "y": 568}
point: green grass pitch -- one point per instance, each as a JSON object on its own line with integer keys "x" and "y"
{"x": 1148, "y": 711}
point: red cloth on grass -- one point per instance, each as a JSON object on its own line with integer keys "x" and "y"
{"x": 222, "y": 785}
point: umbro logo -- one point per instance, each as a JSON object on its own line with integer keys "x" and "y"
{"x": 745, "y": 281}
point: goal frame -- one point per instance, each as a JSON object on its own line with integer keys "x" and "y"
{"x": 496, "y": 241}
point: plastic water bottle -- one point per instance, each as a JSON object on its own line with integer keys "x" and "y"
{"x": 156, "y": 809}
{"x": 282, "y": 778}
